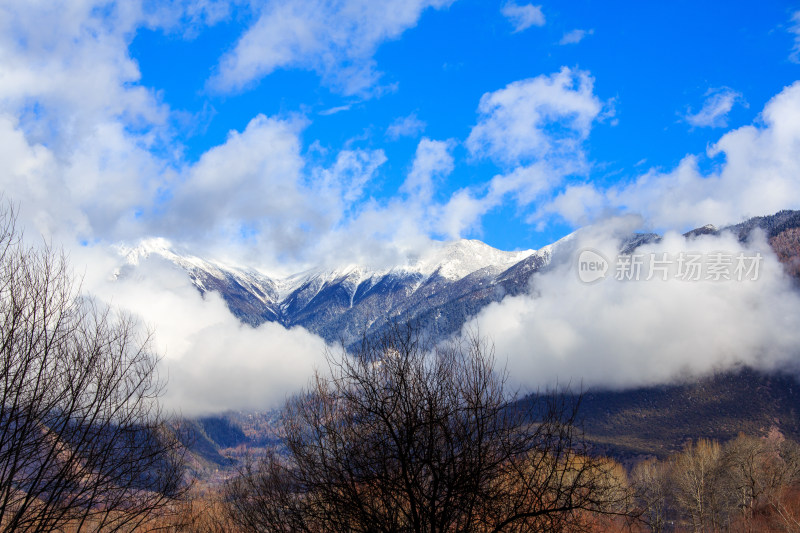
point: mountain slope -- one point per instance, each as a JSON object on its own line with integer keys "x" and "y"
{"x": 659, "y": 420}
{"x": 627, "y": 424}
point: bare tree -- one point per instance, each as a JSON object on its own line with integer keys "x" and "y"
{"x": 748, "y": 460}
{"x": 765, "y": 472}
{"x": 787, "y": 469}
{"x": 651, "y": 486}
{"x": 82, "y": 439}
{"x": 398, "y": 437}
{"x": 702, "y": 486}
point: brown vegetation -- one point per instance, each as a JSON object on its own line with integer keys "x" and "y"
{"x": 401, "y": 438}
{"x": 787, "y": 247}
{"x": 749, "y": 484}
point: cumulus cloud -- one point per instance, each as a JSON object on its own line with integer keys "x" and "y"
{"x": 346, "y": 180}
{"x": 574, "y": 36}
{"x": 717, "y": 105}
{"x": 759, "y": 173}
{"x": 78, "y": 134}
{"x": 383, "y": 234}
{"x": 335, "y": 39}
{"x": 91, "y": 155}
{"x": 71, "y": 60}
{"x": 92, "y": 192}
{"x": 255, "y": 199}
{"x": 536, "y": 129}
{"x": 301, "y": 214}
{"x": 81, "y": 127}
{"x": 540, "y": 116}
{"x": 533, "y": 128}
{"x": 463, "y": 212}
{"x": 289, "y": 210}
{"x": 615, "y": 333}
{"x": 27, "y": 178}
{"x": 252, "y": 180}
{"x": 212, "y": 361}
{"x": 523, "y": 17}
{"x": 579, "y": 204}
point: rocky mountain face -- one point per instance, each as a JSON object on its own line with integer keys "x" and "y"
{"x": 439, "y": 291}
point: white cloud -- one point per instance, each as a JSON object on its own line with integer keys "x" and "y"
{"x": 536, "y": 128}
{"x": 195, "y": 13}
{"x": 578, "y": 204}
{"x": 538, "y": 117}
{"x": 345, "y": 182}
{"x": 334, "y": 110}
{"x": 523, "y": 17}
{"x": 258, "y": 183}
{"x": 432, "y": 160}
{"x": 335, "y": 39}
{"x": 91, "y": 192}
{"x": 463, "y": 212}
{"x": 92, "y": 156}
{"x": 621, "y": 334}
{"x": 65, "y": 68}
{"x": 77, "y": 136}
{"x": 212, "y": 361}
{"x": 253, "y": 179}
{"x": 84, "y": 129}
{"x": 255, "y": 197}
{"x": 87, "y": 151}
{"x": 574, "y": 36}
{"x": 408, "y": 126}
{"x": 794, "y": 56}
{"x": 717, "y": 105}
{"x": 758, "y": 173}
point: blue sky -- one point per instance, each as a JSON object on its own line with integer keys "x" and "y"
{"x": 290, "y": 134}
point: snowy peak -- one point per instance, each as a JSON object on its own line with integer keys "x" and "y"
{"x": 458, "y": 259}
{"x": 158, "y": 247}
{"x": 442, "y": 286}
{"x": 451, "y": 260}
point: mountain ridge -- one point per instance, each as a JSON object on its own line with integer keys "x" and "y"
{"x": 344, "y": 302}
{"x": 440, "y": 289}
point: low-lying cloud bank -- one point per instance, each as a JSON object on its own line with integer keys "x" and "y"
{"x": 625, "y": 333}
{"x": 212, "y": 362}
{"x": 652, "y": 328}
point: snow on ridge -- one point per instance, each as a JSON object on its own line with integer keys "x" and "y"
{"x": 458, "y": 259}
{"x": 452, "y": 260}
{"x": 144, "y": 249}
{"x": 192, "y": 264}
{"x": 161, "y": 247}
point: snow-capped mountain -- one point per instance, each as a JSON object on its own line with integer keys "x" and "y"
{"x": 441, "y": 288}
